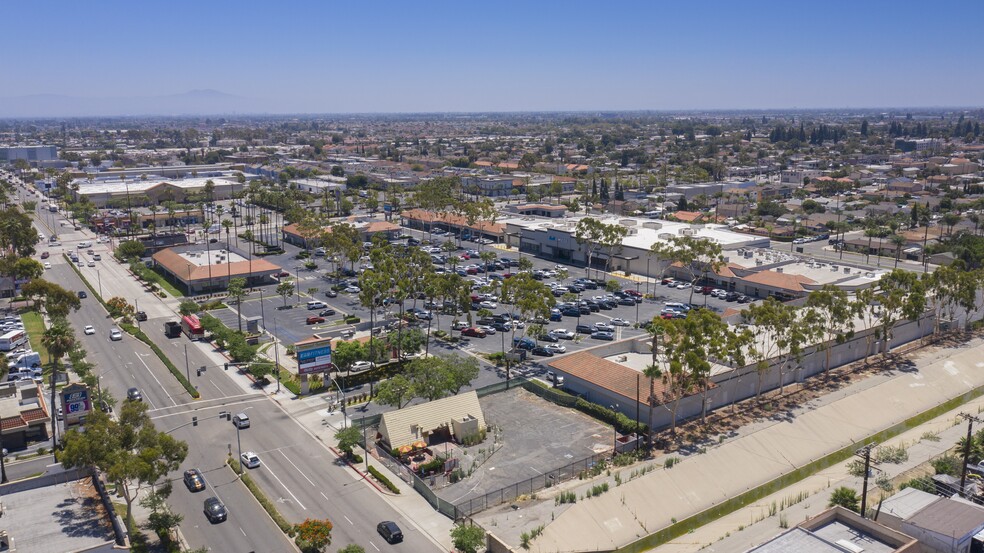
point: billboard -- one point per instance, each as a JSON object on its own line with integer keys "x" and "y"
{"x": 76, "y": 403}
{"x": 313, "y": 356}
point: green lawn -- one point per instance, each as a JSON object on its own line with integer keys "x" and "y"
{"x": 166, "y": 285}
{"x": 34, "y": 325}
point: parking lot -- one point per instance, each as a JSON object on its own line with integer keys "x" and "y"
{"x": 559, "y": 437}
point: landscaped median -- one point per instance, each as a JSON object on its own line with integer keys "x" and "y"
{"x": 34, "y": 325}
{"x": 261, "y": 498}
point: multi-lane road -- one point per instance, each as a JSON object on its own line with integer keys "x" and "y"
{"x": 299, "y": 473}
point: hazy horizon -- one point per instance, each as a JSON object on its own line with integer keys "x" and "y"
{"x": 118, "y": 58}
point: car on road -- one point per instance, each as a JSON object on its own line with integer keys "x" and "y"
{"x": 326, "y": 312}
{"x": 474, "y": 332}
{"x": 47, "y": 265}
{"x": 390, "y": 531}
{"x": 603, "y": 335}
{"x": 133, "y": 394}
{"x": 115, "y": 335}
{"x": 555, "y": 348}
{"x": 45, "y": 255}
{"x": 360, "y": 366}
{"x": 89, "y": 330}
{"x": 194, "y": 480}
{"x": 562, "y": 333}
{"x": 314, "y": 320}
{"x": 91, "y": 263}
{"x": 618, "y": 321}
{"x": 215, "y": 511}
{"x": 83, "y": 294}
{"x": 96, "y": 257}
{"x": 240, "y": 420}
{"x": 250, "y": 459}
{"x": 141, "y": 316}
{"x": 626, "y": 301}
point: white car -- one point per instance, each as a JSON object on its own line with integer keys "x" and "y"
{"x": 562, "y": 333}
{"x": 115, "y": 335}
{"x": 360, "y": 366}
{"x": 604, "y": 327}
{"x": 91, "y": 263}
{"x": 89, "y": 330}
{"x": 489, "y": 331}
{"x": 618, "y": 321}
{"x": 683, "y": 286}
{"x": 459, "y": 325}
{"x": 555, "y": 348}
{"x": 719, "y": 293}
{"x": 352, "y": 290}
{"x": 47, "y": 265}
{"x": 250, "y": 460}
{"x": 488, "y": 304}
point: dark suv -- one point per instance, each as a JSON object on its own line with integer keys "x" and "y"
{"x": 389, "y": 531}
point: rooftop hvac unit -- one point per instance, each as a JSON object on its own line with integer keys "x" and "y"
{"x": 664, "y": 236}
{"x": 748, "y": 255}
{"x": 628, "y": 222}
{"x": 869, "y": 275}
{"x": 758, "y": 262}
{"x": 633, "y": 232}
{"x": 778, "y": 269}
{"x": 847, "y": 270}
{"x": 687, "y": 232}
{"x": 833, "y": 268}
{"x": 653, "y": 225}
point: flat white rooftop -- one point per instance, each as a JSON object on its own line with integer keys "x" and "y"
{"x": 203, "y": 258}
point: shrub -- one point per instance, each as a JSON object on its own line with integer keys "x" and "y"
{"x": 352, "y": 319}
{"x": 947, "y": 464}
{"x": 383, "y": 480}
{"x": 261, "y": 498}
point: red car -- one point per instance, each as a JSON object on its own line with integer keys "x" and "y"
{"x": 282, "y": 274}
{"x": 314, "y": 320}
{"x": 633, "y": 293}
{"x": 474, "y": 332}
{"x": 705, "y": 289}
{"x": 45, "y": 255}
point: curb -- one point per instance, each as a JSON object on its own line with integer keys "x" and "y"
{"x": 364, "y": 476}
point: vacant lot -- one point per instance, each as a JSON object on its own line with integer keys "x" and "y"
{"x": 537, "y": 437}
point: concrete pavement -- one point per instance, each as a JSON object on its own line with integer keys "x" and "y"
{"x": 759, "y": 454}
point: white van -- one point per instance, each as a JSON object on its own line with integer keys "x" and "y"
{"x": 83, "y": 245}
{"x": 316, "y": 305}
{"x": 676, "y": 306}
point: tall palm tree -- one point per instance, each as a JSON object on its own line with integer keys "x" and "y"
{"x": 898, "y": 241}
{"x": 58, "y": 339}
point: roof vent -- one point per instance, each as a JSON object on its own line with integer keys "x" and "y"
{"x": 779, "y": 269}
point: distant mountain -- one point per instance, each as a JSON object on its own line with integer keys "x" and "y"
{"x": 193, "y": 102}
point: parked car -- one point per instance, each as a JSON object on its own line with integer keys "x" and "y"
{"x": 281, "y": 274}
{"x": 331, "y": 293}
{"x": 604, "y": 327}
{"x": 83, "y": 294}
{"x": 193, "y": 480}
{"x": 745, "y": 299}
{"x": 474, "y": 332}
{"x": 314, "y": 320}
{"x": 603, "y": 335}
{"x": 548, "y": 338}
{"x": 562, "y": 333}
{"x": 326, "y": 312}
{"x": 618, "y": 321}
{"x": 542, "y": 351}
{"x": 732, "y": 296}
{"x": 315, "y": 304}
{"x": 584, "y": 329}
{"x": 459, "y": 325}
{"x": 215, "y": 511}
{"x": 555, "y": 348}
{"x": 360, "y": 366}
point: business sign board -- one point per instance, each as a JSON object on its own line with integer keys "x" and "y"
{"x": 313, "y": 356}
{"x": 76, "y": 403}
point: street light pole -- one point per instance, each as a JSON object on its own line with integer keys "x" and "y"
{"x": 614, "y": 409}
{"x": 276, "y": 354}
{"x": 187, "y": 370}
{"x": 99, "y": 279}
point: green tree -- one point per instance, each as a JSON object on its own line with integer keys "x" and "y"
{"x": 395, "y": 392}
{"x": 348, "y": 438}
{"x": 50, "y": 297}
{"x": 902, "y": 296}
{"x": 129, "y": 249}
{"x": 188, "y": 307}
{"x": 58, "y": 339}
{"x": 313, "y": 536}
{"x": 285, "y": 289}
{"x": 467, "y": 538}
{"x": 128, "y": 449}
{"x": 347, "y": 353}
{"x": 237, "y": 291}
{"x": 845, "y": 497}
{"x": 697, "y": 256}
{"x": 836, "y": 323}
{"x": 352, "y": 548}
{"x": 162, "y": 519}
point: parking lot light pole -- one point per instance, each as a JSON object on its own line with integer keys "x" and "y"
{"x": 614, "y": 409}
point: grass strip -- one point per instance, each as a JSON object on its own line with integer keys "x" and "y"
{"x": 383, "y": 480}
{"x": 139, "y": 335}
{"x": 285, "y": 527}
{"x": 691, "y": 523}
{"x": 34, "y": 325}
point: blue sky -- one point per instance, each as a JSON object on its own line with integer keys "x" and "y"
{"x": 425, "y": 55}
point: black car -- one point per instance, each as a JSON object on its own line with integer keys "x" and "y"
{"x": 745, "y": 299}
{"x": 133, "y": 394}
{"x": 83, "y": 294}
{"x": 193, "y": 480}
{"x": 327, "y": 313}
{"x": 215, "y": 511}
{"x": 141, "y": 316}
{"x": 548, "y": 338}
{"x": 626, "y": 301}
{"x": 584, "y": 329}
{"x": 541, "y": 351}
{"x": 389, "y": 531}
{"x": 571, "y": 312}
{"x": 732, "y": 296}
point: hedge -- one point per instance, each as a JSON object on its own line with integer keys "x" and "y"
{"x": 385, "y": 481}
{"x": 623, "y": 423}
{"x": 139, "y": 335}
{"x": 285, "y": 527}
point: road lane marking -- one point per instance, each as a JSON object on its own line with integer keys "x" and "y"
{"x": 374, "y": 546}
{"x": 243, "y": 531}
{"x": 273, "y": 474}
{"x": 161, "y": 386}
{"x": 296, "y": 468}
{"x": 347, "y": 518}
{"x": 197, "y": 407}
{"x": 214, "y": 386}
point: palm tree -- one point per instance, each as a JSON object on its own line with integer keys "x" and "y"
{"x": 58, "y": 339}
{"x": 898, "y": 241}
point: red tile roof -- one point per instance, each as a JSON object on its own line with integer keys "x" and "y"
{"x": 452, "y": 219}
{"x": 784, "y": 281}
{"x": 182, "y": 269}
{"x": 609, "y": 375}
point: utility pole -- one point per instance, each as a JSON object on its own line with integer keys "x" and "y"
{"x": 971, "y": 419}
{"x": 865, "y": 453}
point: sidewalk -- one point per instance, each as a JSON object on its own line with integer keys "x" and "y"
{"x": 312, "y": 413}
{"x": 760, "y": 453}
